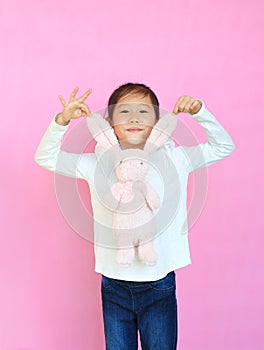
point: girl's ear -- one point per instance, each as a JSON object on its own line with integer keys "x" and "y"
{"x": 161, "y": 132}
{"x": 102, "y": 131}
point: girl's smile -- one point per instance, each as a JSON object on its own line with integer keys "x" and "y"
{"x": 134, "y": 130}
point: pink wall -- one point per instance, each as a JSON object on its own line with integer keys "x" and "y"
{"x": 49, "y": 293}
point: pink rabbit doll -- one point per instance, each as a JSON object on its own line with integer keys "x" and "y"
{"x": 132, "y": 199}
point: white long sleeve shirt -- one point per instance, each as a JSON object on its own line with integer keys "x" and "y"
{"x": 169, "y": 178}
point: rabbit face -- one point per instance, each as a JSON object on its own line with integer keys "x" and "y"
{"x": 131, "y": 165}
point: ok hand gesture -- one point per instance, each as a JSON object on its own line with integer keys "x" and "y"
{"x": 73, "y": 109}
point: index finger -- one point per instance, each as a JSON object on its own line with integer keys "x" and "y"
{"x": 84, "y": 96}
{"x": 73, "y": 94}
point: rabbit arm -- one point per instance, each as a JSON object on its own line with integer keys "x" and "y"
{"x": 117, "y": 191}
{"x": 110, "y": 202}
{"x": 113, "y": 196}
{"x": 152, "y": 197}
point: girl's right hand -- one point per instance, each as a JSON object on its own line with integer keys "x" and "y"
{"x": 73, "y": 109}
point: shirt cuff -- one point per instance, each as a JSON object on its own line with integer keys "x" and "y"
{"x": 58, "y": 126}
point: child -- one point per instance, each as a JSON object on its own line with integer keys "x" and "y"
{"x": 139, "y": 297}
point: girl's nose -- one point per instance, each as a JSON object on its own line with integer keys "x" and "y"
{"x": 133, "y": 118}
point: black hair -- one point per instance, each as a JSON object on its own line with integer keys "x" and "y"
{"x": 132, "y": 88}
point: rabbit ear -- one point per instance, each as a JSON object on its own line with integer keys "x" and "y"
{"x": 161, "y": 132}
{"x": 102, "y": 131}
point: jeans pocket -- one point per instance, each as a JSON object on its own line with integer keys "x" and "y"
{"x": 166, "y": 283}
{"x": 106, "y": 282}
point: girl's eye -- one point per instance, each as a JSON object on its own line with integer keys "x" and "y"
{"x": 125, "y": 111}
{"x": 121, "y": 162}
{"x": 141, "y": 163}
{"x": 143, "y": 111}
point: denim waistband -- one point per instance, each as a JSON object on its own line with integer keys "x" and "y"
{"x": 136, "y": 283}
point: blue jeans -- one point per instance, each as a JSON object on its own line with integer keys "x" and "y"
{"x": 147, "y": 307}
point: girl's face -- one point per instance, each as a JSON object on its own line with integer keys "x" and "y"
{"x": 133, "y": 119}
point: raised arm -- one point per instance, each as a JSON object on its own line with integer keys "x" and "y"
{"x": 219, "y": 144}
{"x": 49, "y": 154}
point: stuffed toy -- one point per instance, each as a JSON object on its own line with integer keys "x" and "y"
{"x": 132, "y": 199}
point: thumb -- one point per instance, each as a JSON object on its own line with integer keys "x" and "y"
{"x": 175, "y": 110}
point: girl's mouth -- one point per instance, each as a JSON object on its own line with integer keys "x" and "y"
{"x": 134, "y": 130}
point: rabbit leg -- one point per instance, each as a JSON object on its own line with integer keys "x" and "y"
{"x": 147, "y": 254}
{"x": 126, "y": 252}
{"x": 125, "y": 256}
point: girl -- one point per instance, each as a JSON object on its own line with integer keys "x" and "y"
{"x": 139, "y": 297}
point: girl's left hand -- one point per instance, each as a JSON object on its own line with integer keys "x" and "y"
{"x": 187, "y": 104}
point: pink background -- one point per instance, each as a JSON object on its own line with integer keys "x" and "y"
{"x": 49, "y": 293}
